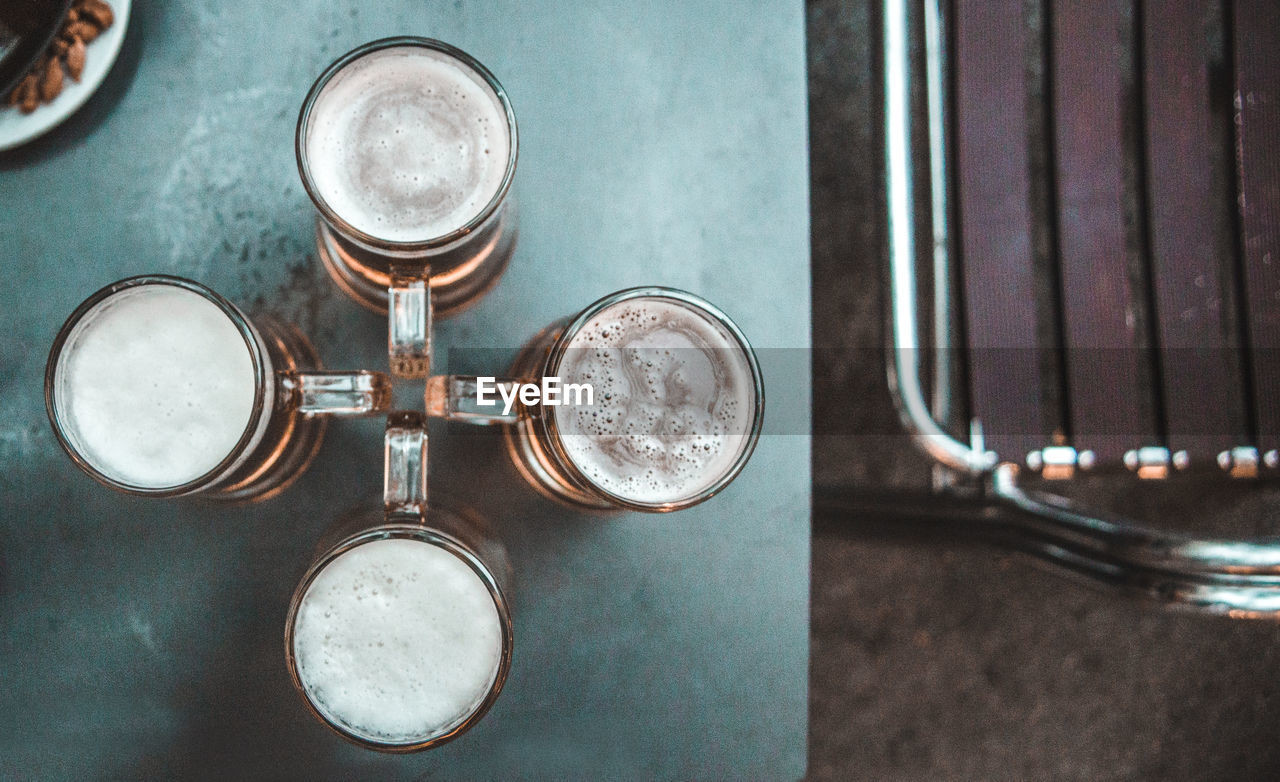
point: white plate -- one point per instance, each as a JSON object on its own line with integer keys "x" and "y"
{"x": 18, "y": 128}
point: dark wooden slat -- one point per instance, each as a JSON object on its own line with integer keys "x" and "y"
{"x": 994, "y": 182}
{"x": 1191, "y": 229}
{"x": 1256, "y": 33}
{"x": 1099, "y": 237}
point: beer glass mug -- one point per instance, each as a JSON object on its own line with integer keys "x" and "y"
{"x": 676, "y": 409}
{"x": 399, "y": 636}
{"x": 407, "y": 148}
{"x": 158, "y": 386}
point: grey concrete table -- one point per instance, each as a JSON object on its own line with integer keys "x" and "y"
{"x": 660, "y": 143}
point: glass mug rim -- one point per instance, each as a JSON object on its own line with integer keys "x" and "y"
{"x": 251, "y": 339}
{"x": 550, "y": 428}
{"x": 403, "y": 529}
{"x": 303, "y": 125}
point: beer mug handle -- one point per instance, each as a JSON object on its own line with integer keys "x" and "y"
{"x": 409, "y": 321}
{"x": 325, "y": 392}
{"x": 457, "y": 398}
{"x": 404, "y": 483}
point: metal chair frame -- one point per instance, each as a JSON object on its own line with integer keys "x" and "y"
{"x": 1235, "y": 577}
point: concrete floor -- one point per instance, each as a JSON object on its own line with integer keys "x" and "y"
{"x": 949, "y": 660}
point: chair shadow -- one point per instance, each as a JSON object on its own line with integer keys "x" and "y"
{"x": 241, "y": 717}
{"x": 244, "y": 719}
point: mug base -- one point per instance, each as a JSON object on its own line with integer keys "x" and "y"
{"x": 296, "y": 437}
{"x": 451, "y": 291}
{"x": 524, "y": 448}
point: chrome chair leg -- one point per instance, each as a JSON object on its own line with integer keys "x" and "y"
{"x": 1235, "y": 577}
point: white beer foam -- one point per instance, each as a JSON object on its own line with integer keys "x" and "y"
{"x": 674, "y": 400}
{"x": 155, "y": 386}
{"x": 397, "y": 640}
{"x": 407, "y": 144}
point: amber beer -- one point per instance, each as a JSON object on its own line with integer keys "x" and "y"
{"x": 677, "y": 404}
{"x": 158, "y": 386}
{"x": 397, "y": 640}
{"x": 407, "y": 147}
{"x": 399, "y": 636}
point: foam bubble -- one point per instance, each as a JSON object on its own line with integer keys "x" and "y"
{"x": 155, "y": 386}
{"x": 397, "y": 640}
{"x": 407, "y": 144}
{"x": 674, "y": 400}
